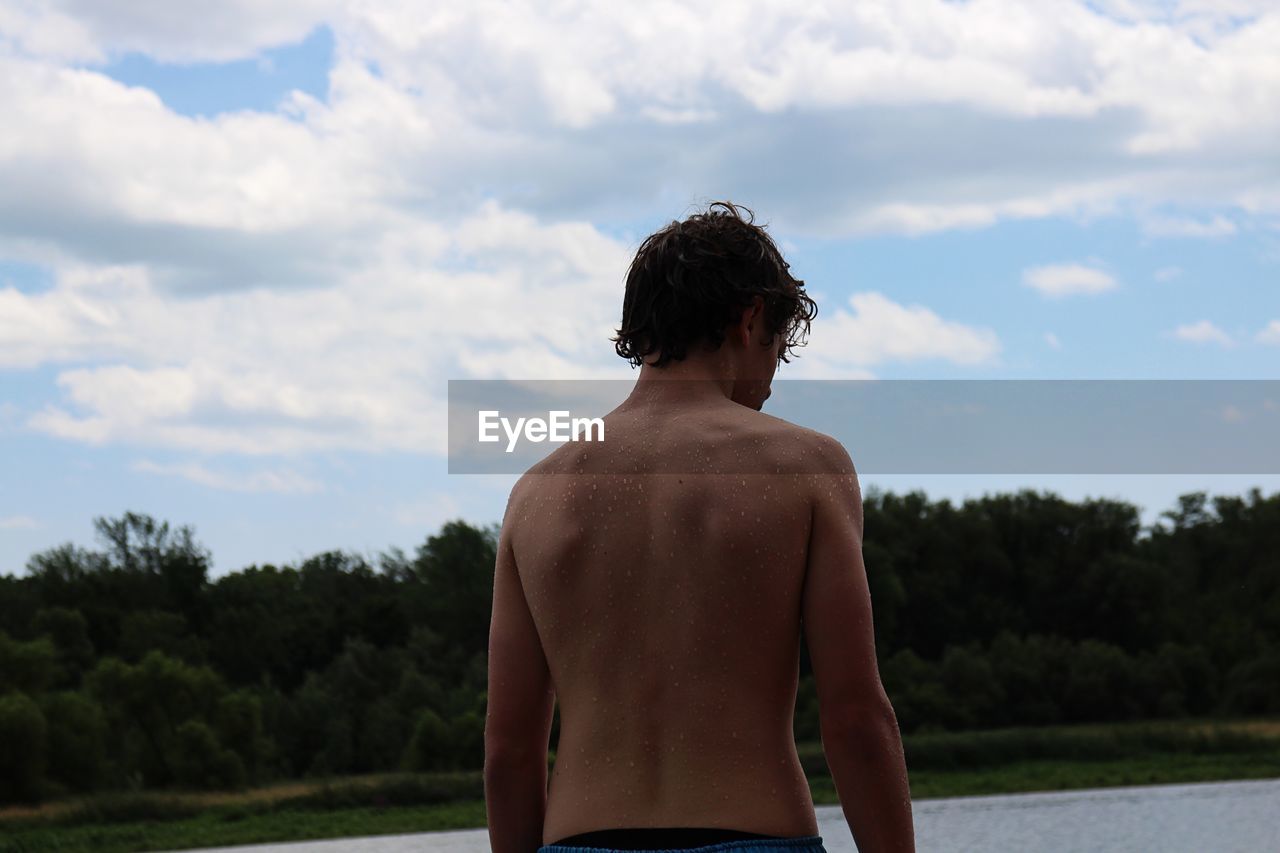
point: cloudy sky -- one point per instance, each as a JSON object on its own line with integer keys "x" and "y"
{"x": 241, "y": 252}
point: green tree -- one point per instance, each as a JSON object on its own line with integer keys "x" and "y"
{"x": 1100, "y": 684}
{"x": 916, "y": 690}
{"x": 146, "y": 703}
{"x": 456, "y": 568}
{"x": 29, "y": 666}
{"x": 302, "y": 728}
{"x": 68, "y": 630}
{"x": 1253, "y": 687}
{"x": 238, "y": 726}
{"x": 143, "y": 631}
{"x": 258, "y": 628}
{"x": 976, "y": 695}
{"x": 200, "y": 761}
{"x": 466, "y": 734}
{"x": 385, "y": 733}
{"x": 77, "y": 733}
{"x": 431, "y": 747}
{"x": 22, "y": 748}
{"x": 1028, "y": 671}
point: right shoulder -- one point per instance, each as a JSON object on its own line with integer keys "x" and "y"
{"x": 805, "y": 451}
{"x": 830, "y": 455}
{"x": 832, "y": 478}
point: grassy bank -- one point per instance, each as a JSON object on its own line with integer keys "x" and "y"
{"x": 941, "y": 765}
{"x": 371, "y": 805}
{"x": 224, "y": 827}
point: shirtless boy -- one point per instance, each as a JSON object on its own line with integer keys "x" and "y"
{"x": 656, "y": 585}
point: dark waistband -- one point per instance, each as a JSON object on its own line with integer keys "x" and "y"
{"x": 648, "y": 838}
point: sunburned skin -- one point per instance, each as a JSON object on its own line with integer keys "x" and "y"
{"x": 669, "y": 610}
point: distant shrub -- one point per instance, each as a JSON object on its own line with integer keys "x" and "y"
{"x": 466, "y": 732}
{"x": 77, "y": 732}
{"x": 1253, "y": 687}
{"x": 22, "y": 748}
{"x": 431, "y": 747}
{"x": 199, "y": 761}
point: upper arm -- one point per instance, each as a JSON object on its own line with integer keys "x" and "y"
{"x": 836, "y": 603}
{"x": 521, "y": 697}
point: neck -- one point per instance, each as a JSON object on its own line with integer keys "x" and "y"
{"x": 695, "y": 377}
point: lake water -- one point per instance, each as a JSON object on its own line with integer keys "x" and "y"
{"x": 1222, "y": 817}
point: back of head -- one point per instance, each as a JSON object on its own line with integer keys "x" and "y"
{"x": 689, "y": 279}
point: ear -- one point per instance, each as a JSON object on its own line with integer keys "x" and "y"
{"x": 750, "y": 318}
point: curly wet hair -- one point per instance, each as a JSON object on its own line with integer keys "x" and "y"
{"x": 689, "y": 280}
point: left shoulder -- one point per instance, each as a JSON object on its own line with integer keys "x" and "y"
{"x": 531, "y": 483}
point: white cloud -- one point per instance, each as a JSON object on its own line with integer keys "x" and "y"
{"x": 1160, "y": 226}
{"x": 303, "y": 279}
{"x": 18, "y": 522}
{"x": 92, "y": 160}
{"x": 358, "y": 364}
{"x": 1052, "y": 340}
{"x": 965, "y": 103}
{"x": 1102, "y": 91}
{"x": 1203, "y": 332}
{"x": 1067, "y": 279}
{"x": 1167, "y": 273}
{"x": 282, "y": 481}
{"x": 1270, "y": 334}
{"x": 89, "y": 30}
{"x": 878, "y": 330}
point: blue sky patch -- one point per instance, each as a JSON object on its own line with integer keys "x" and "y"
{"x": 210, "y": 88}
{"x": 24, "y": 277}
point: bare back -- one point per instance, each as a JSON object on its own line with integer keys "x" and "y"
{"x": 669, "y": 609}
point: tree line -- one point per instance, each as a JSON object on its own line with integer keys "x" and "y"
{"x": 128, "y": 667}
